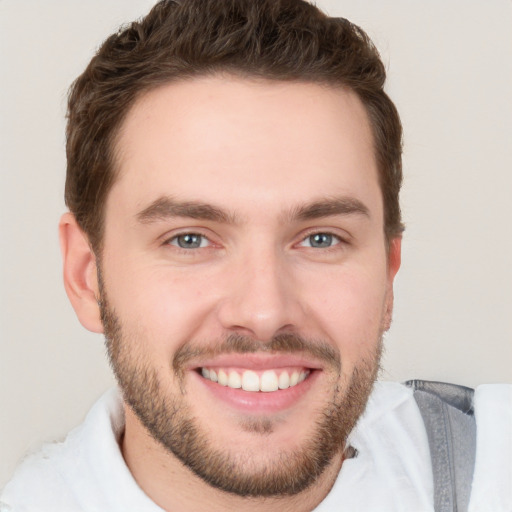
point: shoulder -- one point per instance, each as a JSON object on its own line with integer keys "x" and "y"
{"x": 492, "y": 482}
{"x": 47, "y": 480}
{"x": 39, "y": 481}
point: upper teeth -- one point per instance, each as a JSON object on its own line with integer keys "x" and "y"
{"x": 249, "y": 380}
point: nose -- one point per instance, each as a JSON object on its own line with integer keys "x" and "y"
{"x": 261, "y": 299}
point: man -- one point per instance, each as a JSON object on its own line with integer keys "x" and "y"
{"x": 234, "y": 230}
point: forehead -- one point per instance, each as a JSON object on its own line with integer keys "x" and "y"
{"x": 228, "y": 140}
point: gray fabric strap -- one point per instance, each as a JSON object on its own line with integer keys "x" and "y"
{"x": 447, "y": 412}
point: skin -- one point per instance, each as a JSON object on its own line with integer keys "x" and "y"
{"x": 259, "y": 153}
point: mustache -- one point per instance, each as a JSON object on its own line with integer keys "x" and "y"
{"x": 239, "y": 344}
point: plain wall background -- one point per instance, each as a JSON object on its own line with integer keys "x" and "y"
{"x": 450, "y": 74}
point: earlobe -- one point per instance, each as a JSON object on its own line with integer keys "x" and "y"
{"x": 80, "y": 273}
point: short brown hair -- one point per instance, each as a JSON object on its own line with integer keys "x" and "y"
{"x": 287, "y": 40}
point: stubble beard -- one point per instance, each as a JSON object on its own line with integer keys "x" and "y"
{"x": 168, "y": 418}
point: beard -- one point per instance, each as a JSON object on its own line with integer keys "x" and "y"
{"x": 166, "y": 415}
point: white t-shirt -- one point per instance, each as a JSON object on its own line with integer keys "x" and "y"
{"x": 391, "y": 472}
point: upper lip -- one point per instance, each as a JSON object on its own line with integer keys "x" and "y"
{"x": 258, "y": 361}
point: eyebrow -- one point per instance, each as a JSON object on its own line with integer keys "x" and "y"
{"x": 166, "y": 207}
{"x": 329, "y": 207}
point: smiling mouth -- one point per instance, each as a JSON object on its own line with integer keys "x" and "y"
{"x": 249, "y": 380}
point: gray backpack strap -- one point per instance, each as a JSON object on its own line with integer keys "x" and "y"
{"x": 447, "y": 411}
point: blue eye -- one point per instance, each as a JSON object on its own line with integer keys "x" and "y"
{"x": 320, "y": 240}
{"x": 189, "y": 241}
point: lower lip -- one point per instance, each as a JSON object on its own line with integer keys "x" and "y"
{"x": 258, "y": 402}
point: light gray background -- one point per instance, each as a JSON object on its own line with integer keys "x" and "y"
{"x": 450, "y": 67}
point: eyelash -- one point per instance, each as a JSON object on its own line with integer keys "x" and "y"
{"x": 336, "y": 240}
{"x": 174, "y": 241}
{"x": 333, "y": 239}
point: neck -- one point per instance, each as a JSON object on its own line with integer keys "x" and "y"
{"x": 174, "y": 487}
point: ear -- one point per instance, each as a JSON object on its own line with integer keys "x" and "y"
{"x": 80, "y": 273}
{"x": 394, "y": 260}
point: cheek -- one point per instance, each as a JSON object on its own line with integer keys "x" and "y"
{"x": 348, "y": 304}
{"x": 166, "y": 304}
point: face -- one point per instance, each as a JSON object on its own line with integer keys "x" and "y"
{"x": 245, "y": 280}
